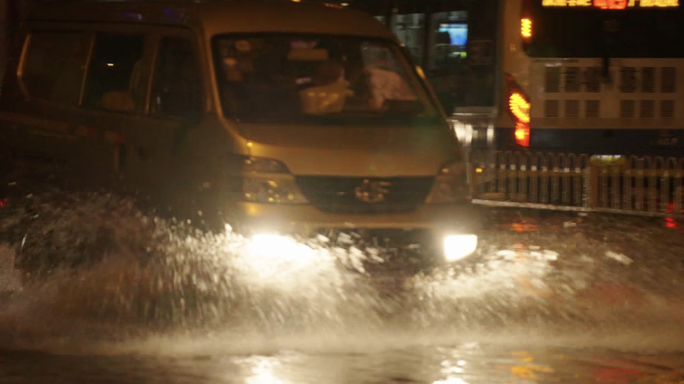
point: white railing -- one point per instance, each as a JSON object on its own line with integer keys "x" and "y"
{"x": 646, "y": 185}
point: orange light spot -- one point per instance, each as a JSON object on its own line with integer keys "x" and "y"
{"x": 522, "y": 134}
{"x": 610, "y": 4}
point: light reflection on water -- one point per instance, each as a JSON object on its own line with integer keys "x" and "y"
{"x": 261, "y": 370}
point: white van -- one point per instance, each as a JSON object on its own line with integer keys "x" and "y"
{"x": 284, "y": 118}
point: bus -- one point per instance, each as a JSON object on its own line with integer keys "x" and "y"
{"x": 596, "y": 77}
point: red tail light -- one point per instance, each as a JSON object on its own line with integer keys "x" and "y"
{"x": 522, "y": 134}
{"x": 519, "y": 108}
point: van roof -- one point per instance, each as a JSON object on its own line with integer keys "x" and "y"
{"x": 214, "y": 17}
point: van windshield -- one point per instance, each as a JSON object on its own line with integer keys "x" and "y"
{"x": 275, "y": 78}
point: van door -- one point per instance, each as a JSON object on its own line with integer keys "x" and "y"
{"x": 113, "y": 98}
{"x": 175, "y": 105}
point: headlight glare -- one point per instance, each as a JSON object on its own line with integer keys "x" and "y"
{"x": 457, "y": 247}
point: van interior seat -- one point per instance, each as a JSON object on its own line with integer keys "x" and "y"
{"x": 123, "y": 101}
{"x": 119, "y": 101}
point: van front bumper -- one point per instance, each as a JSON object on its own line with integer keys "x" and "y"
{"x": 305, "y": 219}
{"x": 447, "y": 228}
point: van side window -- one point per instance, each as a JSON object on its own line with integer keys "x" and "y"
{"x": 114, "y": 77}
{"x": 176, "y": 88}
{"x": 54, "y": 66}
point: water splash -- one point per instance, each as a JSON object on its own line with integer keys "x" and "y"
{"x": 96, "y": 260}
{"x": 104, "y": 270}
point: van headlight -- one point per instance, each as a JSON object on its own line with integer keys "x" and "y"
{"x": 457, "y": 247}
{"x": 451, "y": 184}
{"x": 269, "y": 181}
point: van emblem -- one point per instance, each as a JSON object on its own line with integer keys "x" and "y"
{"x": 372, "y": 191}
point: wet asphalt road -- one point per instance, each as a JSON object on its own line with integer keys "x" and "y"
{"x": 550, "y": 298}
{"x": 466, "y": 363}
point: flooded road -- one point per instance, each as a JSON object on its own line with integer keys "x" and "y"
{"x": 468, "y": 363}
{"x": 119, "y": 296}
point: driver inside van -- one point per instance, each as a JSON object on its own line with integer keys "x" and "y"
{"x": 122, "y": 100}
{"x": 328, "y": 92}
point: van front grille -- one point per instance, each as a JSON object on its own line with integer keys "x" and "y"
{"x": 340, "y": 194}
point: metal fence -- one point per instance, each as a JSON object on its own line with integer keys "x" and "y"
{"x": 644, "y": 185}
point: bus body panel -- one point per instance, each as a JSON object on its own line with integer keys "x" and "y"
{"x": 633, "y": 108}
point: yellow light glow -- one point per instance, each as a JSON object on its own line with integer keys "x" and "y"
{"x": 520, "y": 108}
{"x": 478, "y": 170}
{"x": 419, "y": 69}
{"x": 526, "y": 28}
{"x": 657, "y": 3}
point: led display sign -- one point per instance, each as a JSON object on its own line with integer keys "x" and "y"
{"x": 612, "y": 4}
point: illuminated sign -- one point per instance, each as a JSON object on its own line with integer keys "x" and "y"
{"x": 611, "y": 4}
{"x": 566, "y": 3}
